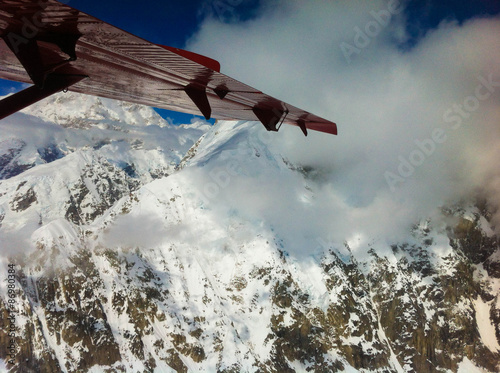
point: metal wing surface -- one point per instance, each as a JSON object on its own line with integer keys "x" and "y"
{"x": 56, "y": 47}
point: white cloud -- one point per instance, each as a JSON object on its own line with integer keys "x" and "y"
{"x": 134, "y": 230}
{"x": 386, "y": 100}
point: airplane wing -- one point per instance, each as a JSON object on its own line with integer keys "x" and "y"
{"x": 56, "y": 47}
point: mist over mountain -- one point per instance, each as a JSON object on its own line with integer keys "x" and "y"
{"x": 418, "y": 122}
{"x": 143, "y": 246}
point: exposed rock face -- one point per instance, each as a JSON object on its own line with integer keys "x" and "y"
{"x": 24, "y": 199}
{"x": 112, "y": 308}
{"x": 132, "y": 269}
{"x": 10, "y": 164}
{"x": 109, "y": 184}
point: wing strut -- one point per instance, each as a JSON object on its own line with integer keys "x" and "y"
{"x": 43, "y": 74}
{"x": 24, "y": 98}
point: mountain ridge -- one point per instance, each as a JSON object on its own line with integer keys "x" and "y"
{"x": 162, "y": 248}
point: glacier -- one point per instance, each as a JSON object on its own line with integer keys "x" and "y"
{"x": 140, "y": 245}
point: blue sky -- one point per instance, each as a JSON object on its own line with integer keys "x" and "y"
{"x": 175, "y": 22}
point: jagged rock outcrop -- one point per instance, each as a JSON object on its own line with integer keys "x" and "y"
{"x": 112, "y": 308}
{"x": 123, "y": 262}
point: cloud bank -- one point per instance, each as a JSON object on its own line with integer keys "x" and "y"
{"x": 419, "y": 127}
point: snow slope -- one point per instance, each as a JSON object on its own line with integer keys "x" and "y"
{"x": 141, "y": 246}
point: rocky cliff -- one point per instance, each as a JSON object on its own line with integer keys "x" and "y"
{"x": 141, "y": 246}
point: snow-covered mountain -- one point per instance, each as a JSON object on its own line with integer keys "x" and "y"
{"x": 140, "y": 246}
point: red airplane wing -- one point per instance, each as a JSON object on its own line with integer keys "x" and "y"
{"x": 57, "y": 47}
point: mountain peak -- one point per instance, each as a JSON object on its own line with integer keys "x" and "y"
{"x": 76, "y": 110}
{"x": 142, "y": 246}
